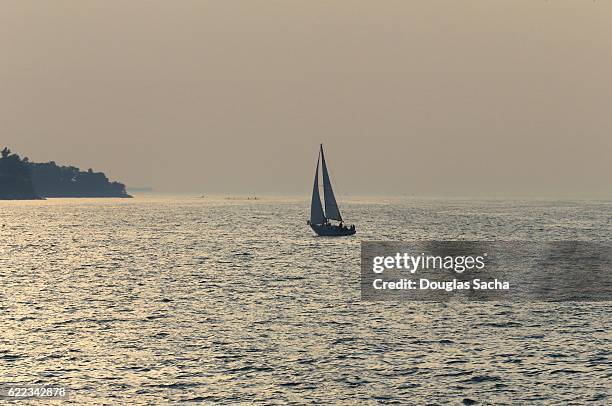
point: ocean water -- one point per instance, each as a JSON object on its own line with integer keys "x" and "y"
{"x": 179, "y": 299}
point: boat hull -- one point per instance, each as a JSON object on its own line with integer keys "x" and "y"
{"x": 332, "y": 231}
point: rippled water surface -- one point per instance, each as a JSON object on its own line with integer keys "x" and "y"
{"x": 167, "y": 299}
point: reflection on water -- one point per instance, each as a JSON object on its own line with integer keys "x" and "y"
{"x": 176, "y": 299}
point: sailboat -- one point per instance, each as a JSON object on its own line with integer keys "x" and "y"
{"x": 319, "y": 219}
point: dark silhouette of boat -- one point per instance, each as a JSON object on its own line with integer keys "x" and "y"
{"x": 319, "y": 219}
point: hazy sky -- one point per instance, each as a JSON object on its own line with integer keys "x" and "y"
{"x": 409, "y": 97}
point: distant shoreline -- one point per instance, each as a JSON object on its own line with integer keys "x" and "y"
{"x": 21, "y": 179}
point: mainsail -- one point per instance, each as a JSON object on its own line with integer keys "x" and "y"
{"x": 331, "y": 207}
{"x": 316, "y": 210}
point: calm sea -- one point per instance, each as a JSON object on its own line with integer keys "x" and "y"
{"x": 177, "y": 299}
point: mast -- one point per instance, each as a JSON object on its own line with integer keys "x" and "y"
{"x": 331, "y": 207}
{"x": 316, "y": 210}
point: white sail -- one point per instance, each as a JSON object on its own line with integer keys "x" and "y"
{"x": 316, "y": 210}
{"x": 331, "y": 207}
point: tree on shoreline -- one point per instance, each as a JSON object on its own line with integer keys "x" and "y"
{"x": 15, "y": 180}
{"x": 52, "y": 180}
